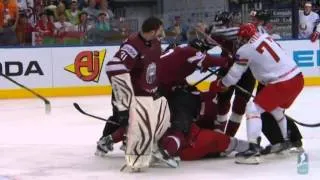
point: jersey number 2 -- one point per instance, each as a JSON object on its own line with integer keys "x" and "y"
{"x": 265, "y": 46}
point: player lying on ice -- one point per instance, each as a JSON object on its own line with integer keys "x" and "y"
{"x": 184, "y": 103}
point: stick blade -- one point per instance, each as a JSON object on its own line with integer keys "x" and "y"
{"x": 76, "y": 105}
{"x": 48, "y": 107}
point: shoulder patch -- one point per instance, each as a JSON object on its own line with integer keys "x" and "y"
{"x": 240, "y": 61}
{"x": 130, "y": 50}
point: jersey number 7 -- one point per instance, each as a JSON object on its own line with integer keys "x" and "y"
{"x": 265, "y": 46}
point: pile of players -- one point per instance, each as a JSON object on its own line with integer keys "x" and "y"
{"x": 161, "y": 116}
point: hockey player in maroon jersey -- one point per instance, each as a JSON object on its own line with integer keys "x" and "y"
{"x": 173, "y": 68}
{"x": 226, "y": 36}
{"x": 200, "y": 141}
{"x": 133, "y": 76}
{"x": 196, "y": 142}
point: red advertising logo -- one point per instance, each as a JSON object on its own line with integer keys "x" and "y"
{"x": 87, "y": 65}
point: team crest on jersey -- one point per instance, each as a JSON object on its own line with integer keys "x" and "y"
{"x": 151, "y": 73}
{"x": 303, "y": 27}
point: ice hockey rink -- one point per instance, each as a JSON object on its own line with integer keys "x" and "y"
{"x": 61, "y": 145}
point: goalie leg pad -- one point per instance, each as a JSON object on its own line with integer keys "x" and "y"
{"x": 162, "y": 117}
{"x": 148, "y": 121}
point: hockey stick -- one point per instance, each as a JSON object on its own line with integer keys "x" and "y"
{"x": 206, "y": 77}
{"x": 46, "y": 101}
{"x": 76, "y": 105}
{"x": 288, "y": 117}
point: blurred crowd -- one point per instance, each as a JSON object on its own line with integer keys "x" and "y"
{"x": 84, "y": 21}
{"x": 93, "y": 22}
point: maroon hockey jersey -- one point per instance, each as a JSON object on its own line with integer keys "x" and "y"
{"x": 180, "y": 62}
{"x": 138, "y": 57}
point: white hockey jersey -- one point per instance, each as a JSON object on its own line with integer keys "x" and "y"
{"x": 267, "y": 60}
{"x": 307, "y": 23}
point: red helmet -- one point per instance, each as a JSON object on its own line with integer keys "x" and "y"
{"x": 247, "y": 30}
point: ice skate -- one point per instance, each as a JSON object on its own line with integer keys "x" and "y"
{"x": 276, "y": 148}
{"x": 250, "y": 156}
{"x": 162, "y": 156}
{"x": 104, "y": 145}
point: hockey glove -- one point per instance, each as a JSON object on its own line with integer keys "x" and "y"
{"x": 217, "y": 86}
{"x": 314, "y": 36}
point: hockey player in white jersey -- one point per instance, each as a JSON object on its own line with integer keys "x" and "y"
{"x": 270, "y": 128}
{"x": 308, "y": 23}
{"x": 272, "y": 67}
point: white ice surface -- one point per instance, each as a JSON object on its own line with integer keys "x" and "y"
{"x": 61, "y": 145}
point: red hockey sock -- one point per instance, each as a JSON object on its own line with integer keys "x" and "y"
{"x": 118, "y": 135}
{"x": 232, "y": 128}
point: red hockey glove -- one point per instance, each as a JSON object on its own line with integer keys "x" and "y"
{"x": 207, "y": 96}
{"x": 314, "y": 36}
{"x": 217, "y": 86}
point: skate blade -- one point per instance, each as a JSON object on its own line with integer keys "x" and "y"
{"x": 296, "y": 150}
{"x": 126, "y": 168}
{"x": 249, "y": 161}
{"x": 170, "y": 162}
{"x": 100, "y": 153}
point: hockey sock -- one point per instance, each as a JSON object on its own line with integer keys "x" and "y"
{"x": 118, "y": 135}
{"x": 293, "y": 131}
{"x": 220, "y": 123}
{"x": 271, "y": 129}
{"x": 278, "y": 114}
{"x": 254, "y": 126}
{"x": 233, "y": 124}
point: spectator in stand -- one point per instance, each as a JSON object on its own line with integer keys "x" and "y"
{"x": 104, "y": 7}
{"x": 83, "y": 25}
{"x": 50, "y": 15}
{"x": 308, "y": 23}
{"x": 67, "y": 3}
{"x": 62, "y": 26}
{"x": 52, "y": 6}
{"x": 92, "y": 11}
{"x": 61, "y": 9}
{"x": 9, "y": 16}
{"x": 38, "y": 9}
{"x": 22, "y": 5}
{"x": 31, "y": 15}
{"x": 73, "y": 13}
{"x": 179, "y": 30}
{"x": 124, "y": 27}
{"x": 44, "y": 26}
{"x": 103, "y": 23}
{"x": 24, "y": 30}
